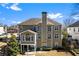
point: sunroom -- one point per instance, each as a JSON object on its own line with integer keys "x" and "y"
{"x": 28, "y": 40}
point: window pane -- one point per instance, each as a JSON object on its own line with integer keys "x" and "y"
{"x": 23, "y": 37}
{"x": 27, "y": 38}
{"x": 56, "y": 35}
{"x": 39, "y": 36}
{"x": 56, "y": 27}
{"x": 31, "y": 38}
{"x": 74, "y": 29}
{"x": 34, "y": 28}
{"x": 37, "y": 28}
{"x": 49, "y": 36}
{"x": 49, "y": 28}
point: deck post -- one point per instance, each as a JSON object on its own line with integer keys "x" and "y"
{"x": 35, "y": 44}
{"x": 21, "y": 48}
{"x": 27, "y": 49}
{"x": 35, "y": 48}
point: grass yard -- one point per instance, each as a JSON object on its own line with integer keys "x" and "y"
{"x": 47, "y": 53}
{"x": 53, "y": 53}
{"x": 43, "y": 53}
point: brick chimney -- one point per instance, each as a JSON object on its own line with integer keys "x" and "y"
{"x": 44, "y": 29}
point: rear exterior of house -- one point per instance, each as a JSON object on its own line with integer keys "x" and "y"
{"x": 39, "y": 32}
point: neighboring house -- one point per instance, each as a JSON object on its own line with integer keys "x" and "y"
{"x": 73, "y": 30}
{"x": 7, "y": 32}
{"x": 39, "y": 32}
{"x": 3, "y": 31}
{"x": 11, "y": 32}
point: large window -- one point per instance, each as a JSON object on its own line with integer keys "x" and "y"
{"x": 27, "y": 38}
{"x": 49, "y": 36}
{"x": 31, "y": 38}
{"x": 56, "y": 36}
{"x": 22, "y": 37}
{"x": 49, "y": 28}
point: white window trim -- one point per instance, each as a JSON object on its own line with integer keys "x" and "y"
{"x": 56, "y": 28}
{"x": 56, "y": 36}
{"x": 50, "y": 36}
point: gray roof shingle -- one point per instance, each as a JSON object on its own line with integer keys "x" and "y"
{"x": 76, "y": 24}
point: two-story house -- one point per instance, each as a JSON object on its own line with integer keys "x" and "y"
{"x": 39, "y": 32}
{"x": 73, "y": 30}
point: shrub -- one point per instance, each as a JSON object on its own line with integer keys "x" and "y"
{"x": 47, "y": 49}
{"x": 38, "y": 49}
{"x": 44, "y": 48}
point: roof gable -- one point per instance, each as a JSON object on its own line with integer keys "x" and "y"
{"x": 29, "y": 31}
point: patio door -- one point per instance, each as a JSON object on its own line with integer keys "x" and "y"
{"x": 28, "y": 48}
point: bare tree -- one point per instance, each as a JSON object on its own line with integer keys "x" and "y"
{"x": 75, "y": 11}
{"x": 68, "y": 22}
